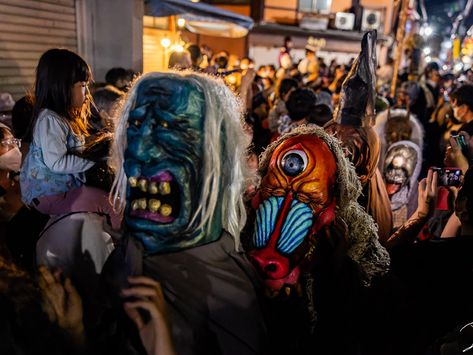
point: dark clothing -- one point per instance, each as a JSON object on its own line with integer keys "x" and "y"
{"x": 212, "y": 302}
{"x": 438, "y": 276}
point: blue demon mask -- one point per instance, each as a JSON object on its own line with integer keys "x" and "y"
{"x": 163, "y": 163}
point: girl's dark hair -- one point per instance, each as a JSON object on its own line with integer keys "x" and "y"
{"x": 58, "y": 70}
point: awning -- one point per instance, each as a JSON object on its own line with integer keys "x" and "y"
{"x": 202, "y": 18}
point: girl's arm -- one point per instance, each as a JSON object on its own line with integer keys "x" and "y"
{"x": 53, "y": 141}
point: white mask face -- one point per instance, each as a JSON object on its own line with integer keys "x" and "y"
{"x": 11, "y": 160}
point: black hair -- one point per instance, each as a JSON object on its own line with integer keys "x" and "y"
{"x": 221, "y": 61}
{"x": 58, "y": 70}
{"x": 258, "y": 100}
{"x": 196, "y": 54}
{"x": 115, "y": 74}
{"x": 21, "y": 118}
{"x": 105, "y": 98}
{"x": 300, "y": 104}
{"x": 463, "y": 96}
{"x": 320, "y": 115}
{"x": 286, "y": 85}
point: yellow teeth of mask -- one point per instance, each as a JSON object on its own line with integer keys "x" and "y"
{"x": 154, "y": 205}
{"x": 164, "y": 188}
{"x": 165, "y": 210}
{"x": 143, "y": 185}
{"x": 153, "y": 188}
{"x": 142, "y": 203}
{"x": 133, "y": 181}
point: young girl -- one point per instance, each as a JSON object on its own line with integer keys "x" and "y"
{"x": 53, "y": 175}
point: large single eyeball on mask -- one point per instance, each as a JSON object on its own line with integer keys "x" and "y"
{"x": 294, "y": 162}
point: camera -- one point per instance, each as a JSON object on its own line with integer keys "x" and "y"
{"x": 448, "y": 176}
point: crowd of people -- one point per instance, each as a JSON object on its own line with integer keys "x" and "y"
{"x": 220, "y": 208}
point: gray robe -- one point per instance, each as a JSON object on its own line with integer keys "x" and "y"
{"x": 211, "y": 297}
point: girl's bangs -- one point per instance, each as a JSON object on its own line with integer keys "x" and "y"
{"x": 82, "y": 72}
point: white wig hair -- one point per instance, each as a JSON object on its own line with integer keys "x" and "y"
{"x": 224, "y": 170}
{"x": 363, "y": 243}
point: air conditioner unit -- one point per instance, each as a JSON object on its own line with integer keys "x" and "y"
{"x": 344, "y": 21}
{"x": 372, "y": 20}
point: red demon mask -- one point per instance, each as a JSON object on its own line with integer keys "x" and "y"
{"x": 296, "y": 199}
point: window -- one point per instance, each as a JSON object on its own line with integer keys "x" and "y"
{"x": 317, "y": 6}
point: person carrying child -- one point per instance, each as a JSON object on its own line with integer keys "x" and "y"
{"x": 53, "y": 174}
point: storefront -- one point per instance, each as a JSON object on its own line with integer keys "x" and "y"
{"x": 27, "y": 29}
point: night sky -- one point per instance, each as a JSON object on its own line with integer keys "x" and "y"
{"x": 442, "y": 12}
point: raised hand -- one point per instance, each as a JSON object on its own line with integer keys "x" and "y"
{"x": 146, "y": 294}
{"x": 427, "y": 193}
{"x": 61, "y": 302}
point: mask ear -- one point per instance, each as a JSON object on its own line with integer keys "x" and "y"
{"x": 325, "y": 218}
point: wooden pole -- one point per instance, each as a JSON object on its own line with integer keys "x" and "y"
{"x": 401, "y": 31}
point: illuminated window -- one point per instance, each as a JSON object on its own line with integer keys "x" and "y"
{"x": 318, "y": 6}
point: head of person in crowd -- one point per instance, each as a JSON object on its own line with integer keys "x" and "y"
{"x": 6, "y": 105}
{"x": 402, "y": 166}
{"x": 432, "y": 74}
{"x": 22, "y": 116}
{"x": 196, "y": 55}
{"x": 106, "y": 100}
{"x": 286, "y": 61}
{"x": 62, "y": 79}
{"x": 174, "y": 182}
{"x": 448, "y": 82}
{"x": 180, "y": 60}
{"x": 310, "y": 52}
{"x": 262, "y": 72}
{"x": 10, "y": 155}
{"x": 306, "y": 183}
{"x": 119, "y": 78}
{"x": 246, "y": 63}
{"x": 271, "y": 70}
{"x": 221, "y": 60}
{"x": 462, "y": 104}
{"x": 259, "y": 106}
{"x": 10, "y": 163}
{"x": 288, "y": 44}
{"x": 300, "y": 104}
{"x": 398, "y": 127}
{"x": 338, "y": 89}
{"x": 267, "y": 83}
{"x": 285, "y": 87}
{"x": 320, "y": 115}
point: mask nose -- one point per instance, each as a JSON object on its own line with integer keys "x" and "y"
{"x": 270, "y": 264}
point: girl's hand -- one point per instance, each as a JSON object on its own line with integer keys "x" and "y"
{"x": 427, "y": 194}
{"x": 61, "y": 302}
{"x": 148, "y": 296}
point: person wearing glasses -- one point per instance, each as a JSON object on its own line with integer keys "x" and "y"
{"x": 10, "y": 162}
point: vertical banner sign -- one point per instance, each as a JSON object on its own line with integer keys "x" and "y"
{"x": 456, "y": 48}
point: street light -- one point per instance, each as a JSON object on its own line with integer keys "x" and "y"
{"x": 166, "y": 42}
{"x": 427, "y": 50}
{"x": 181, "y": 23}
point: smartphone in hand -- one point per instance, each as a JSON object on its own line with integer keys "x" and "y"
{"x": 448, "y": 176}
